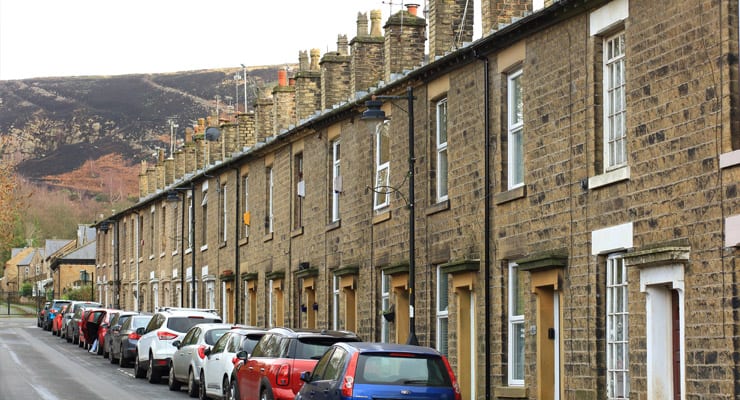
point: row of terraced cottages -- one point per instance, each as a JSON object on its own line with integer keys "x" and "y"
{"x": 576, "y": 219}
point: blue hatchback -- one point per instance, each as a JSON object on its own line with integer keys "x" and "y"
{"x": 380, "y": 370}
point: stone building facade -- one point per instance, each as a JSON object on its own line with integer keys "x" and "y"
{"x": 577, "y": 221}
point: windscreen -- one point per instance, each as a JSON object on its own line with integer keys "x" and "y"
{"x": 213, "y": 335}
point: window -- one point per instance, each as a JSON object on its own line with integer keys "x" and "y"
{"x": 336, "y": 179}
{"x": 617, "y": 339}
{"x": 300, "y": 191}
{"x": 174, "y": 237}
{"x": 191, "y": 217}
{"x": 515, "y": 140}
{"x": 441, "y": 140}
{"x": 268, "y": 200}
{"x": 270, "y": 320}
{"x": 204, "y": 220}
{"x": 151, "y": 232}
{"x": 224, "y": 214}
{"x": 516, "y": 327}
{"x": 385, "y": 300}
{"x": 246, "y": 206}
{"x": 442, "y": 310}
{"x": 163, "y": 231}
{"x": 335, "y": 302}
{"x": 382, "y": 166}
{"x": 615, "y": 131}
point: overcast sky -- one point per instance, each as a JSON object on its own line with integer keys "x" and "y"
{"x": 42, "y": 38}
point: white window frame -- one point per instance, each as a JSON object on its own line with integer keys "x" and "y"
{"x": 442, "y": 308}
{"x": 385, "y": 303}
{"x": 381, "y": 191}
{"x": 246, "y": 203}
{"x": 211, "y": 295}
{"x": 516, "y": 327}
{"x": 152, "y": 221}
{"x": 617, "y": 374}
{"x": 155, "y": 295}
{"x": 270, "y": 293}
{"x": 336, "y": 302}
{"x": 615, "y": 120}
{"x": 335, "y": 174}
{"x": 225, "y": 213}
{"x": 515, "y": 129}
{"x": 191, "y": 231}
{"x": 204, "y": 220}
{"x": 442, "y": 165}
{"x": 270, "y": 199}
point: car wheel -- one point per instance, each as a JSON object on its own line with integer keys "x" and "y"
{"x": 172, "y": 383}
{"x": 138, "y": 371}
{"x": 122, "y": 361}
{"x": 112, "y": 359}
{"x": 266, "y": 394}
{"x": 151, "y": 375}
{"x": 100, "y": 349}
{"x": 202, "y": 387}
{"x": 234, "y": 388}
{"x": 225, "y": 389}
{"x": 192, "y": 386}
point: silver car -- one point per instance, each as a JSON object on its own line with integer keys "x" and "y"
{"x": 187, "y": 360}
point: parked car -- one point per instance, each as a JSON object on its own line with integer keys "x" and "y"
{"x": 188, "y": 358}
{"x": 273, "y": 370}
{"x": 216, "y": 374}
{"x": 123, "y": 343}
{"x": 42, "y": 314}
{"x": 117, "y": 319}
{"x": 103, "y": 324}
{"x": 72, "y": 329}
{"x": 89, "y": 326}
{"x": 350, "y": 371}
{"x": 155, "y": 349}
{"x": 56, "y": 323}
{"x": 56, "y": 305}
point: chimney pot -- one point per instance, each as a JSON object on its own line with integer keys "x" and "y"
{"x": 412, "y": 8}
{"x": 361, "y": 24}
{"x": 282, "y": 77}
{"x": 375, "y": 17}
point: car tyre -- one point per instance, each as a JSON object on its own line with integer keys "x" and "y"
{"x": 202, "y": 387}
{"x": 138, "y": 371}
{"x": 234, "y": 388}
{"x": 266, "y": 394}
{"x": 192, "y": 386}
{"x": 226, "y": 389}
{"x": 100, "y": 349}
{"x": 122, "y": 361}
{"x": 172, "y": 383}
{"x": 151, "y": 375}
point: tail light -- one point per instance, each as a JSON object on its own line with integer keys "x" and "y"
{"x": 348, "y": 383}
{"x": 455, "y": 385}
{"x": 235, "y": 360}
{"x": 202, "y": 351}
{"x": 164, "y": 335}
{"x": 283, "y": 375}
{"x": 134, "y": 336}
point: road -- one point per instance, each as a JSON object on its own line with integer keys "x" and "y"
{"x": 34, "y": 364}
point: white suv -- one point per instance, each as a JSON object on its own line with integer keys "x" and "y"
{"x": 155, "y": 347}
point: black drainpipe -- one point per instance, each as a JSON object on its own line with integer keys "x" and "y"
{"x": 237, "y": 228}
{"x": 486, "y": 222}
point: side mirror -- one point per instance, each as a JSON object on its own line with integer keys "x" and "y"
{"x": 140, "y": 331}
{"x": 306, "y": 376}
{"x": 104, "y": 326}
{"x": 242, "y": 355}
{"x": 207, "y": 351}
{"x": 177, "y": 343}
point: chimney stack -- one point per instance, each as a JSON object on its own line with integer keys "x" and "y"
{"x": 263, "y": 123}
{"x": 404, "y": 43}
{"x": 500, "y": 12}
{"x": 335, "y": 75}
{"x": 284, "y": 112}
{"x": 366, "y": 59}
{"x": 446, "y": 25}
{"x": 307, "y": 86}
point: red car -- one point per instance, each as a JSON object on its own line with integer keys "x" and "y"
{"x": 273, "y": 371}
{"x": 103, "y": 325}
{"x": 89, "y": 326}
{"x": 56, "y": 323}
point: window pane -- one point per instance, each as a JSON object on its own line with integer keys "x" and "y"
{"x": 442, "y": 173}
{"x": 517, "y": 354}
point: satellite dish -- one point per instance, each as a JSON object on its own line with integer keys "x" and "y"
{"x": 212, "y": 134}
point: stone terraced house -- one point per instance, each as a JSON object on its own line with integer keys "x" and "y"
{"x": 576, "y": 219}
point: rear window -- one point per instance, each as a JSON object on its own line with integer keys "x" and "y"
{"x": 140, "y": 322}
{"x": 314, "y": 348}
{"x": 213, "y": 335}
{"x": 401, "y": 369}
{"x": 183, "y": 324}
{"x": 249, "y": 342}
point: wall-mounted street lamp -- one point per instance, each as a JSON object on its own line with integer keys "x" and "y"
{"x": 375, "y": 113}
